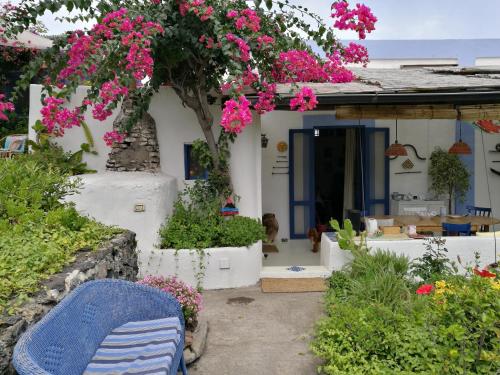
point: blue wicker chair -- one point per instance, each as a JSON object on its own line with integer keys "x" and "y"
{"x": 65, "y": 340}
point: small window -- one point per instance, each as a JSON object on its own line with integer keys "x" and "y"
{"x": 192, "y": 168}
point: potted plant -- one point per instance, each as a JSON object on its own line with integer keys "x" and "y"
{"x": 449, "y": 175}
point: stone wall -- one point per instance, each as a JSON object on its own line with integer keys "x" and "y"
{"x": 117, "y": 259}
{"x": 139, "y": 151}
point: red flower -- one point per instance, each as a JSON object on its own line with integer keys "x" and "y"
{"x": 484, "y": 273}
{"x": 425, "y": 289}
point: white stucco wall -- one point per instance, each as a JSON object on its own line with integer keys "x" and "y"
{"x": 228, "y": 267}
{"x": 335, "y": 259}
{"x": 110, "y": 198}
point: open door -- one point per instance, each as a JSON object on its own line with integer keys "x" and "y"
{"x": 301, "y": 182}
{"x": 376, "y": 171}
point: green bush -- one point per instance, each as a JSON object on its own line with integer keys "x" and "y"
{"x": 39, "y": 234}
{"x": 196, "y": 223}
{"x": 377, "y": 324}
{"x": 452, "y": 331}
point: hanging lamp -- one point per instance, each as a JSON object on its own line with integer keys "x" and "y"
{"x": 460, "y": 147}
{"x": 396, "y": 149}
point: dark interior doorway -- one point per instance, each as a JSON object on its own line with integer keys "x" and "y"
{"x": 336, "y": 189}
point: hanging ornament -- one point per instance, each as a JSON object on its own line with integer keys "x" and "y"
{"x": 396, "y": 149}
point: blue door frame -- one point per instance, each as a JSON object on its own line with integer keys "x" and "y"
{"x": 367, "y": 149}
{"x": 369, "y": 177}
{"x": 308, "y": 204}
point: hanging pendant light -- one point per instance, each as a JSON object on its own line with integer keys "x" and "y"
{"x": 460, "y": 147}
{"x": 396, "y": 149}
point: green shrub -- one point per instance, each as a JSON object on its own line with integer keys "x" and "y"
{"x": 39, "y": 234}
{"x": 240, "y": 231}
{"x": 70, "y": 163}
{"x": 27, "y": 185}
{"x": 434, "y": 263}
{"x": 196, "y": 223}
{"x": 377, "y": 324}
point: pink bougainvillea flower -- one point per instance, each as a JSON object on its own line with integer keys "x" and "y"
{"x": 243, "y": 47}
{"x": 114, "y": 136}
{"x": 359, "y": 19}
{"x": 484, "y": 273}
{"x": 266, "y": 101}
{"x": 57, "y": 119}
{"x": 356, "y": 54}
{"x": 304, "y": 100}
{"x": 5, "y": 106}
{"x": 425, "y": 289}
{"x": 236, "y": 115}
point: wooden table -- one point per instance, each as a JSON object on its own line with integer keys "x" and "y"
{"x": 434, "y": 224}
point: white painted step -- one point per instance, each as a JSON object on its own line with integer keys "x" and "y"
{"x": 284, "y": 272}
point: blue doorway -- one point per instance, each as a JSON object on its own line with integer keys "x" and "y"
{"x": 335, "y": 168}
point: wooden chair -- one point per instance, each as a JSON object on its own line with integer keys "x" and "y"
{"x": 456, "y": 229}
{"x": 480, "y": 211}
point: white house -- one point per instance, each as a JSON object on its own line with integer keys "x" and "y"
{"x": 316, "y": 165}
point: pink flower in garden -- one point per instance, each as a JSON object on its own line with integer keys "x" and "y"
{"x": 425, "y": 289}
{"x": 266, "y": 99}
{"x": 356, "y": 54}
{"x": 5, "y": 106}
{"x": 188, "y": 297}
{"x": 243, "y": 47}
{"x": 56, "y": 119}
{"x": 301, "y": 66}
{"x": 304, "y": 100}
{"x": 359, "y": 19}
{"x": 232, "y": 14}
{"x": 264, "y": 40}
{"x": 236, "y": 115}
{"x": 198, "y": 7}
{"x": 111, "y": 137}
{"x": 248, "y": 19}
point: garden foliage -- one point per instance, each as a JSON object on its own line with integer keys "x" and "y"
{"x": 379, "y": 322}
{"x": 38, "y": 233}
{"x": 188, "y": 297}
{"x": 196, "y": 223}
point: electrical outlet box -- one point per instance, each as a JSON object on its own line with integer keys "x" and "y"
{"x": 224, "y": 264}
{"x": 139, "y": 207}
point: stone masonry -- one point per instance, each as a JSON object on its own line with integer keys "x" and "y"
{"x": 117, "y": 259}
{"x": 139, "y": 151}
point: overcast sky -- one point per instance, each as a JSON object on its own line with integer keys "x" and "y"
{"x": 407, "y": 19}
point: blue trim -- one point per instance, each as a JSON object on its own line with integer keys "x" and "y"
{"x": 304, "y": 203}
{"x": 469, "y": 137}
{"x": 369, "y": 179}
{"x": 187, "y": 164}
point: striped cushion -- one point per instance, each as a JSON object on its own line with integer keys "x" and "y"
{"x": 146, "y": 347}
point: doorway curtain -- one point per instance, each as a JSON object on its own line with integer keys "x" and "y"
{"x": 349, "y": 172}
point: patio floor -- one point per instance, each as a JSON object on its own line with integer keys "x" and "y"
{"x": 261, "y": 333}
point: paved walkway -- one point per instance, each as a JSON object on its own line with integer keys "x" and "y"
{"x": 255, "y": 333}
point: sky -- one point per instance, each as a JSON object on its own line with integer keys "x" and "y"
{"x": 405, "y": 19}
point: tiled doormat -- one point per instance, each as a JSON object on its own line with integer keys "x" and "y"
{"x": 269, "y": 248}
{"x": 293, "y": 285}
